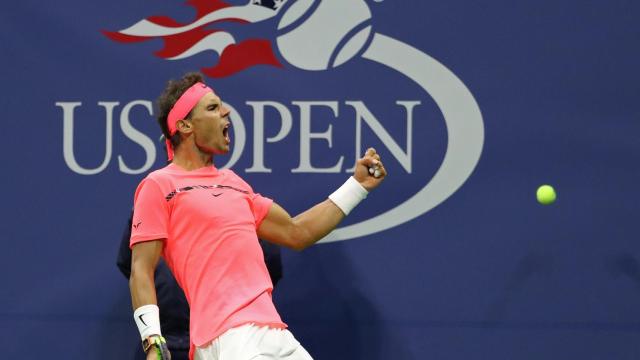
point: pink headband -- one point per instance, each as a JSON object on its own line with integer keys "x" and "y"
{"x": 181, "y": 109}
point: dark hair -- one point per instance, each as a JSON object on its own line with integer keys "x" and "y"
{"x": 169, "y": 97}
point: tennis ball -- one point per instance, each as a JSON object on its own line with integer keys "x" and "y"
{"x": 325, "y": 38}
{"x": 546, "y": 195}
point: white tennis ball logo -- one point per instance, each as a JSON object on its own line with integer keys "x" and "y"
{"x": 332, "y": 34}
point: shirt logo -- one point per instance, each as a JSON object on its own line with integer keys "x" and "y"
{"x": 173, "y": 193}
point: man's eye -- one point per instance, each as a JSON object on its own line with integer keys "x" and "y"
{"x": 213, "y": 107}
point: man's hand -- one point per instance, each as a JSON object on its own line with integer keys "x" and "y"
{"x": 370, "y": 160}
{"x": 153, "y": 354}
{"x": 158, "y": 349}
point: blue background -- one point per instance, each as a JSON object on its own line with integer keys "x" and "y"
{"x": 488, "y": 274}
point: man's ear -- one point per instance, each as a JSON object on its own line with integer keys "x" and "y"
{"x": 184, "y": 126}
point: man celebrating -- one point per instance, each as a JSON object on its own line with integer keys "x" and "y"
{"x": 206, "y": 222}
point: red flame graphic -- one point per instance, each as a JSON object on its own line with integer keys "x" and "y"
{"x": 234, "y": 58}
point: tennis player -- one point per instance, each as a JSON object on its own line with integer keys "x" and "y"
{"x": 205, "y": 223}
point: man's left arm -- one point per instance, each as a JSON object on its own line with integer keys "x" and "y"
{"x": 305, "y": 229}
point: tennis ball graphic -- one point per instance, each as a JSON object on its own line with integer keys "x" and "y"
{"x": 333, "y": 33}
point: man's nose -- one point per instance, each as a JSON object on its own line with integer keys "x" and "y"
{"x": 225, "y": 111}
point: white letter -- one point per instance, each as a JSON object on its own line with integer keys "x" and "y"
{"x": 258, "y": 131}
{"x": 138, "y": 137}
{"x": 362, "y": 112}
{"x": 67, "y": 136}
{"x": 306, "y": 135}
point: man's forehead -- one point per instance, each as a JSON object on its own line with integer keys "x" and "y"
{"x": 209, "y": 98}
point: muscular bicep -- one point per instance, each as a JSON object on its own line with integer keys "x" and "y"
{"x": 144, "y": 259}
{"x": 277, "y": 226}
{"x": 145, "y": 255}
{"x": 304, "y": 229}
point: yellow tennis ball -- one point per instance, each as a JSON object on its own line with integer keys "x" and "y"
{"x": 546, "y": 195}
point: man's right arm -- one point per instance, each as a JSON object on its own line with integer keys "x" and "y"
{"x": 144, "y": 259}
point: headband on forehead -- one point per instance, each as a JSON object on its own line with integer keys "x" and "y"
{"x": 181, "y": 109}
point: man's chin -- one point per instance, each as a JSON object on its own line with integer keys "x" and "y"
{"x": 223, "y": 151}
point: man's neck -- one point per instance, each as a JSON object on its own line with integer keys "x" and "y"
{"x": 191, "y": 158}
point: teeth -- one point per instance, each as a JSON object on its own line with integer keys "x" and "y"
{"x": 225, "y": 132}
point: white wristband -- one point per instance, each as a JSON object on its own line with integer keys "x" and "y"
{"x": 147, "y": 318}
{"x": 348, "y": 195}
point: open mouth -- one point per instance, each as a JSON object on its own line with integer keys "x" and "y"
{"x": 225, "y": 133}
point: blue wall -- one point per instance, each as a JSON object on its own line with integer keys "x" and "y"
{"x": 485, "y": 272}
